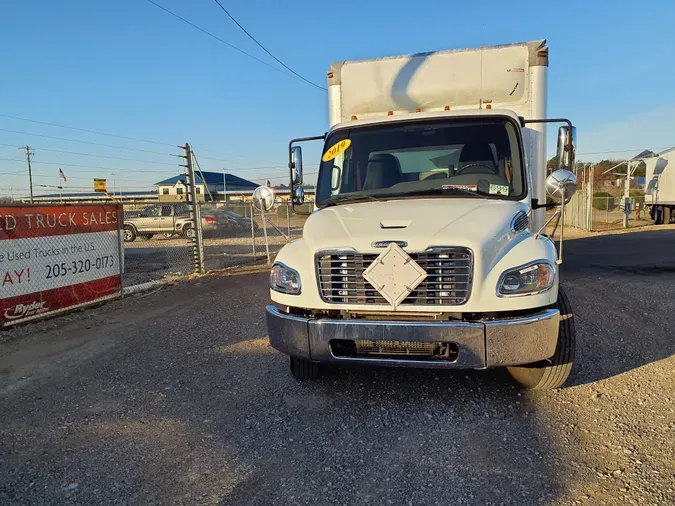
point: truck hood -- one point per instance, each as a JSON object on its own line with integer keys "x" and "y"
{"x": 480, "y": 224}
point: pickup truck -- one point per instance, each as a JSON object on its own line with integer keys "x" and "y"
{"x": 156, "y": 219}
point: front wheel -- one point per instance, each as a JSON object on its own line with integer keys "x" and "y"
{"x": 303, "y": 369}
{"x": 129, "y": 233}
{"x": 554, "y": 373}
{"x": 190, "y": 232}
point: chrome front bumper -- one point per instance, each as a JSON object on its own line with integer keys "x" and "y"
{"x": 481, "y": 344}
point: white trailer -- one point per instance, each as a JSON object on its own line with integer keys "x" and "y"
{"x": 425, "y": 246}
{"x": 660, "y": 186}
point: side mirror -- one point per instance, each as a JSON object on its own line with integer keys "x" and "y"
{"x": 298, "y": 195}
{"x": 296, "y": 165}
{"x": 561, "y": 183}
{"x": 567, "y": 146}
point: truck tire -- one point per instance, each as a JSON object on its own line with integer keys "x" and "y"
{"x": 189, "y": 232}
{"x": 556, "y": 371}
{"x": 658, "y": 215}
{"x": 303, "y": 369}
{"x": 129, "y": 233}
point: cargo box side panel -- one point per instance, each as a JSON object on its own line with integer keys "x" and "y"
{"x": 431, "y": 81}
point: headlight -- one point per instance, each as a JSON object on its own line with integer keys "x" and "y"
{"x": 528, "y": 279}
{"x": 284, "y": 279}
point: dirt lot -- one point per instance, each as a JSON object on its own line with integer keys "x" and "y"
{"x": 175, "y": 397}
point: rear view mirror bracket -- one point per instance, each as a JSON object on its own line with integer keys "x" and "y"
{"x": 295, "y": 172}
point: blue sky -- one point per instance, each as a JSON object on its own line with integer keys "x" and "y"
{"x": 128, "y": 68}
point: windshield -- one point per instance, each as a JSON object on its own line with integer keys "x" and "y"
{"x": 480, "y": 158}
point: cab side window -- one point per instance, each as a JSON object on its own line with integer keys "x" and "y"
{"x": 151, "y": 212}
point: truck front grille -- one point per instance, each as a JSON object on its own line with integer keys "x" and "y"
{"x": 448, "y": 282}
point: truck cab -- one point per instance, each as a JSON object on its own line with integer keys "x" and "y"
{"x": 425, "y": 247}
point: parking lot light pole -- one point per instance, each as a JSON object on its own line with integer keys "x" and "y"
{"x": 224, "y": 188}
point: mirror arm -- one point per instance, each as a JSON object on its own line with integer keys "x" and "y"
{"x": 537, "y": 205}
{"x": 290, "y": 164}
{"x": 301, "y": 139}
{"x": 524, "y": 122}
{"x": 551, "y": 120}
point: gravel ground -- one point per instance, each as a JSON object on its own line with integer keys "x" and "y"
{"x": 175, "y": 397}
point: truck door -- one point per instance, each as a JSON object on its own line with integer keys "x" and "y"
{"x": 147, "y": 220}
{"x": 164, "y": 222}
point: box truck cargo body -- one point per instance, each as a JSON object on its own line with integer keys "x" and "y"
{"x": 660, "y": 186}
{"x": 425, "y": 247}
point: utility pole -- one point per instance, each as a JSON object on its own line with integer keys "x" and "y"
{"x": 30, "y": 172}
{"x": 195, "y": 211}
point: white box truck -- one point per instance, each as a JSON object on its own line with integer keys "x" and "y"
{"x": 425, "y": 246}
{"x": 660, "y": 186}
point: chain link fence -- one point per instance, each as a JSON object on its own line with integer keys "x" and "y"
{"x": 56, "y": 256}
{"x": 157, "y": 243}
{"x": 237, "y": 233}
{"x": 608, "y": 210}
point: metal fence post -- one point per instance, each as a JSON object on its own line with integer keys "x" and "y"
{"x": 252, "y": 230}
{"x": 589, "y": 191}
{"x": 120, "y": 245}
{"x": 267, "y": 242}
{"x": 195, "y": 212}
{"x": 288, "y": 217}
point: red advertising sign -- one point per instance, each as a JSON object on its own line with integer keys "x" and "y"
{"x": 57, "y": 257}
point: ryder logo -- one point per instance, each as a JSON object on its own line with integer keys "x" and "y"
{"x": 26, "y": 310}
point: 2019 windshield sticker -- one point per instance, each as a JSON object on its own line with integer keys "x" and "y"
{"x": 336, "y": 149}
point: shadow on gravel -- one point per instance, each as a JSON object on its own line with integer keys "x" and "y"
{"x": 395, "y": 436}
{"x": 622, "y": 290}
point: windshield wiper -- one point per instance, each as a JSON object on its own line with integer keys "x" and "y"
{"x": 438, "y": 191}
{"x": 348, "y": 197}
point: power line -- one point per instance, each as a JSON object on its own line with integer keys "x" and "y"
{"x": 106, "y": 145}
{"x": 266, "y": 50}
{"x": 62, "y": 164}
{"x": 83, "y": 142}
{"x": 218, "y": 38}
{"x": 280, "y": 166}
{"x": 84, "y": 130}
{"x": 621, "y": 151}
{"x": 226, "y": 155}
{"x": 95, "y": 156}
{"x": 43, "y": 175}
